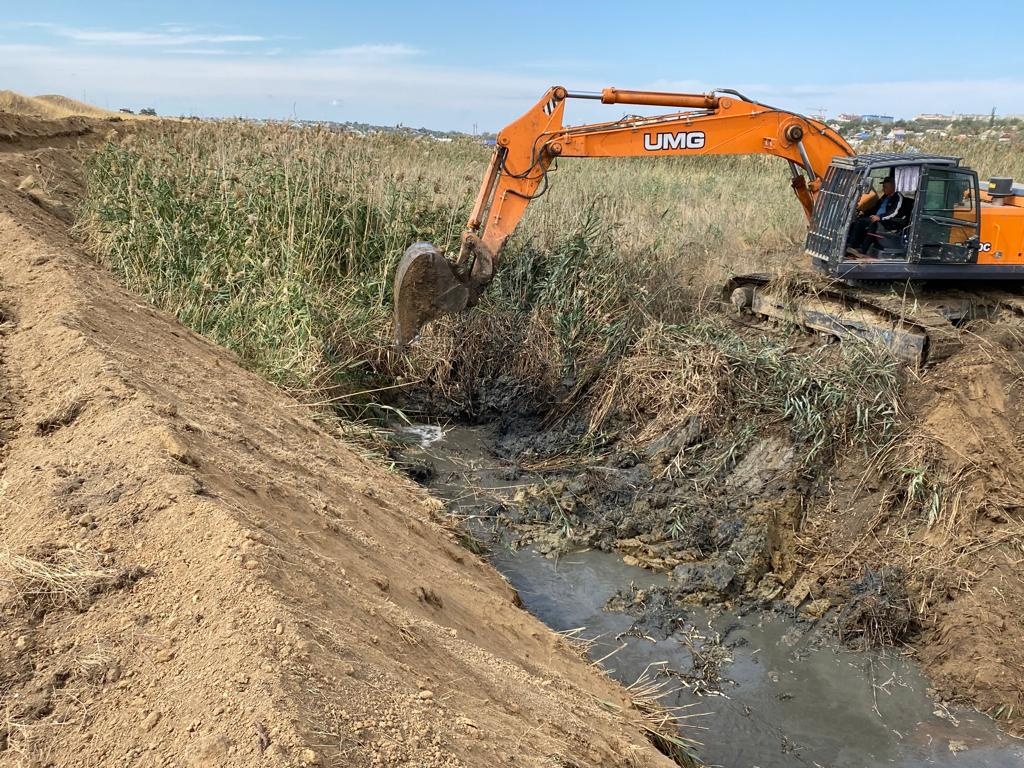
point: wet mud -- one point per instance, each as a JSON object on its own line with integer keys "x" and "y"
{"x": 697, "y": 589}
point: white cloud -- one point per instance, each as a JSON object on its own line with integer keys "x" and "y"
{"x": 150, "y": 38}
{"x": 200, "y": 51}
{"x": 373, "y": 51}
{"x": 173, "y": 35}
{"x": 382, "y": 91}
{"x": 175, "y": 28}
{"x": 388, "y": 83}
{"x": 18, "y": 49}
{"x": 902, "y": 98}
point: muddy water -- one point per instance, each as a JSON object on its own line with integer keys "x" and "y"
{"x": 782, "y": 695}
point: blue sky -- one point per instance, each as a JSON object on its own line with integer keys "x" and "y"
{"x": 459, "y": 64}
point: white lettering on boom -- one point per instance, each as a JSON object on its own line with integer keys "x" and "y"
{"x": 655, "y": 142}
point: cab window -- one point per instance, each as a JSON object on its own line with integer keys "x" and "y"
{"x": 948, "y": 214}
{"x": 949, "y": 194}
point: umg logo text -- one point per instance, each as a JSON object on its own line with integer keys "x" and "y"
{"x": 654, "y": 142}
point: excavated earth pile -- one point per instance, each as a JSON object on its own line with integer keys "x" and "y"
{"x": 193, "y": 572}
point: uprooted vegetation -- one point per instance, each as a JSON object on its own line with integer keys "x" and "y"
{"x": 747, "y": 460}
{"x": 62, "y": 578}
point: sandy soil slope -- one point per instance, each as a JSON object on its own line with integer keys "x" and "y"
{"x": 194, "y": 573}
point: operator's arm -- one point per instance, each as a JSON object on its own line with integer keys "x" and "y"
{"x": 895, "y": 206}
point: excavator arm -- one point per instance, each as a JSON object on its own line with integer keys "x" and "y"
{"x": 717, "y": 123}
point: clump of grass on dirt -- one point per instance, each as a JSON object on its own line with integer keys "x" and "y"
{"x": 665, "y": 727}
{"x": 64, "y": 578}
{"x": 879, "y": 613}
{"x": 706, "y": 369}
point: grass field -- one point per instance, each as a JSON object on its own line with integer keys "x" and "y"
{"x": 280, "y": 243}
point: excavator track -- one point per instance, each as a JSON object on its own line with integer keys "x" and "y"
{"x": 916, "y": 324}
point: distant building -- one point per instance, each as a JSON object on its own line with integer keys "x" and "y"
{"x": 846, "y": 117}
{"x": 927, "y": 117}
{"x": 878, "y": 118}
{"x": 972, "y": 117}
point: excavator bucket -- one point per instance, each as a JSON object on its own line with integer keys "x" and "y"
{"x": 426, "y": 287}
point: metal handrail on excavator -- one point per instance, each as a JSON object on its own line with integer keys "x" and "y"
{"x": 722, "y": 122}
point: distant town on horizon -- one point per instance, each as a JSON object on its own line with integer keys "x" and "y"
{"x": 853, "y": 127}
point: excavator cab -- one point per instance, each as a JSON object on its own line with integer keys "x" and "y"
{"x": 936, "y": 231}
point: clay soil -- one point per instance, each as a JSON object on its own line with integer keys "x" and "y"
{"x": 194, "y": 572}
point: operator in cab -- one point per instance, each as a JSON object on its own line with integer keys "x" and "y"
{"x": 886, "y": 214}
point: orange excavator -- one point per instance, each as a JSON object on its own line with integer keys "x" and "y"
{"x": 952, "y": 231}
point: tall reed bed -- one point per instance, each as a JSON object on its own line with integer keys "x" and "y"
{"x": 280, "y": 243}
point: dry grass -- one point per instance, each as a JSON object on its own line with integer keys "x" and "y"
{"x": 23, "y": 740}
{"x": 666, "y": 727}
{"x": 879, "y": 613}
{"x": 51, "y": 107}
{"x": 61, "y": 579}
{"x": 93, "y": 662}
{"x": 660, "y": 383}
{"x": 280, "y": 243}
{"x": 64, "y": 413}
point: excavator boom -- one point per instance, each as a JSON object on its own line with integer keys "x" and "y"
{"x": 723, "y": 122}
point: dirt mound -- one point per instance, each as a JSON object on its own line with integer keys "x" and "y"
{"x": 51, "y": 107}
{"x": 72, "y": 107}
{"x": 194, "y": 573}
{"x": 878, "y": 612}
{"x": 17, "y": 104}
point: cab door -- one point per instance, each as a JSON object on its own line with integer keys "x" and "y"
{"x": 946, "y": 217}
{"x": 833, "y": 211}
